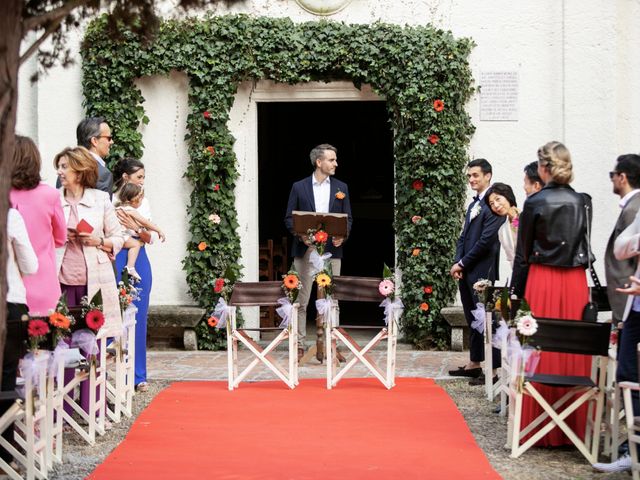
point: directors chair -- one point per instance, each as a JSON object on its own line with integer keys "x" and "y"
{"x": 259, "y": 294}
{"x": 359, "y": 289}
{"x": 564, "y": 336}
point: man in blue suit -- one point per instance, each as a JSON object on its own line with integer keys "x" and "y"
{"x": 476, "y": 257}
{"x": 323, "y": 194}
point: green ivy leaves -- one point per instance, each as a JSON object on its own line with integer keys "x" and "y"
{"x": 410, "y": 67}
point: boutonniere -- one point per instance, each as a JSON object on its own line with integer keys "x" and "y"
{"x": 340, "y": 195}
{"x": 475, "y": 211}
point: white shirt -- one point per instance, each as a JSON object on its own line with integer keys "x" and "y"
{"x": 321, "y": 194}
{"x": 624, "y": 200}
{"x": 22, "y": 260}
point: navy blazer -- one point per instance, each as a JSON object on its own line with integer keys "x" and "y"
{"x": 478, "y": 246}
{"x": 301, "y": 198}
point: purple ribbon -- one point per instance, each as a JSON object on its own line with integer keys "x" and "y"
{"x": 221, "y": 312}
{"x": 284, "y": 310}
{"x": 390, "y": 306}
{"x": 58, "y": 357}
{"x": 86, "y": 341}
{"x": 318, "y": 261}
{"x": 34, "y": 365}
{"x": 480, "y": 318}
{"x": 502, "y": 332}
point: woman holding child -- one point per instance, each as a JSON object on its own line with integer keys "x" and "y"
{"x": 134, "y": 213}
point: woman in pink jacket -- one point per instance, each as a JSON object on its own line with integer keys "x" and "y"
{"x": 40, "y": 207}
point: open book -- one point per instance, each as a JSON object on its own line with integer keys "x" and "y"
{"x": 335, "y": 224}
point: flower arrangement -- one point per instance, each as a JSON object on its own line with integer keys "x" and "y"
{"x": 387, "y": 286}
{"x": 318, "y": 238}
{"x": 37, "y": 330}
{"x": 222, "y": 288}
{"x": 127, "y": 293}
{"x": 61, "y": 320}
{"x": 475, "y": 211}
{"x": 291, "y": 285}
{"x": 92, "y": 311}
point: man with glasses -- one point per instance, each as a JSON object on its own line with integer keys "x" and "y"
{"x": 94, "y": 134}
{"x": 625, "y": 180}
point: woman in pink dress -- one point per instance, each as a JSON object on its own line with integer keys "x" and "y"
{"x": 40, "y": 207}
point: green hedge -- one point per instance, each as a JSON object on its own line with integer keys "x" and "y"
{"x": 413, "y": 68}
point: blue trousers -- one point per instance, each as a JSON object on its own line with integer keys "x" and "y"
{"x": 143, "y": 267}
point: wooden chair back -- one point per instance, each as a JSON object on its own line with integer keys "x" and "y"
{"x": 256, "y": 294}
{"x": 570, "y": 336}
{"x": 357, "y": 289}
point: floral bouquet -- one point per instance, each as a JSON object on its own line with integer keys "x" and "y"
{"x": 324, "y": 279}
{"x": 291, "y": 286}
{"x": 222, "y": 286}
{"x": 127, "y": 292}
{"x": 387, "y": 289}
{"x": 37, "y": 330}
{"x": 523, "y": 358}
{"x": 61, "y": 320}
{"x": 318, "y": 239}
{"x": 92, "y": 311}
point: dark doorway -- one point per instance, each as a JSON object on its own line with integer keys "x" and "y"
{"x": 287, "y": 131}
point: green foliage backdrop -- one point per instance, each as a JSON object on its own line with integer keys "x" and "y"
{"x": 422, "y": 72}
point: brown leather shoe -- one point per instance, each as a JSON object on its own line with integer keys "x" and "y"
{"x": 300, "y": 353}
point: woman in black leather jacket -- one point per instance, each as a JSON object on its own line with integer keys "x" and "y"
{"x": 553, "y": 244}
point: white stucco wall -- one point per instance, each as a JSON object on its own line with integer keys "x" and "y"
{"x": 579, "y": 72}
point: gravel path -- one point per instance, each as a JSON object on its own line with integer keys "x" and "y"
{"x": 489, "y": 430}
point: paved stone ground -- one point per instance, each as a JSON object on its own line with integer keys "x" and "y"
{"x": 488, "y": 428}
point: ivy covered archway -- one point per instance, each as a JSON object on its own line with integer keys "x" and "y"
{"x": 422, "y": 73}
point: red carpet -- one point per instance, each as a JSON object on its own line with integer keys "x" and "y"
{"x": 360, "y": 430}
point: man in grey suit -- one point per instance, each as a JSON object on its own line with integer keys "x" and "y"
{"x": 94, "y": 134}
{"x": 625, "y": 178}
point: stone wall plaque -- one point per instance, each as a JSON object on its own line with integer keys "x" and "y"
{"x": 499, "y": 96}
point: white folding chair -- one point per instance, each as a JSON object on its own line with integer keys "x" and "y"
{"x": 614, "y": 414}
{"x": 94, "y": 419}
{"x": 632, "y": 421}
{"x": 28, "y": 417}
{"x": 564, "y": 336}
{"x": 359, "y": 289}
{"x": 258, "y": 294}
{"x": 120, "y": 379}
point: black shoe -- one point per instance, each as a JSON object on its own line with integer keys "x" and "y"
{"x": 462, "y": 372}
{"x": 480, "y": 380}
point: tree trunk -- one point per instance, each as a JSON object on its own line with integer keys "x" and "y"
{"x": 10, "y": 38}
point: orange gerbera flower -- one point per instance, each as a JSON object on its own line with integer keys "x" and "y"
{"x": 59, "y": 320}
{"x": 323, "y": 280}
{"x": 340, "y": 195}
{"x": 321, "y": 236}
{"x": 428, "y": 289}
{"x": 433, "y": 139}
{"x": 424, "y": 306}
{"x": 291, "y": 281}
{"x": 212, "y": 321}
{"x": 415, "y": 252}
{"x": 438, "y": 105}
{"x": 202, "y": 246}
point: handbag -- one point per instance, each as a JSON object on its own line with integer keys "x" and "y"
{"x": 597, "y": 293}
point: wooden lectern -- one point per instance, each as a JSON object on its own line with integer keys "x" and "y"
{"x": 335, "y": 224}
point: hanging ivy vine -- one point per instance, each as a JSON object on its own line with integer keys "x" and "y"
{"x": 422, "y": 73}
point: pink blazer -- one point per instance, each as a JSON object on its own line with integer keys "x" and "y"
{"x": 42, "y": 213}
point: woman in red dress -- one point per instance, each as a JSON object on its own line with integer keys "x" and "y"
{"x": 552, "y": 236}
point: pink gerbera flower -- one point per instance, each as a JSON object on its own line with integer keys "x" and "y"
{"x": 386, "y": 287}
